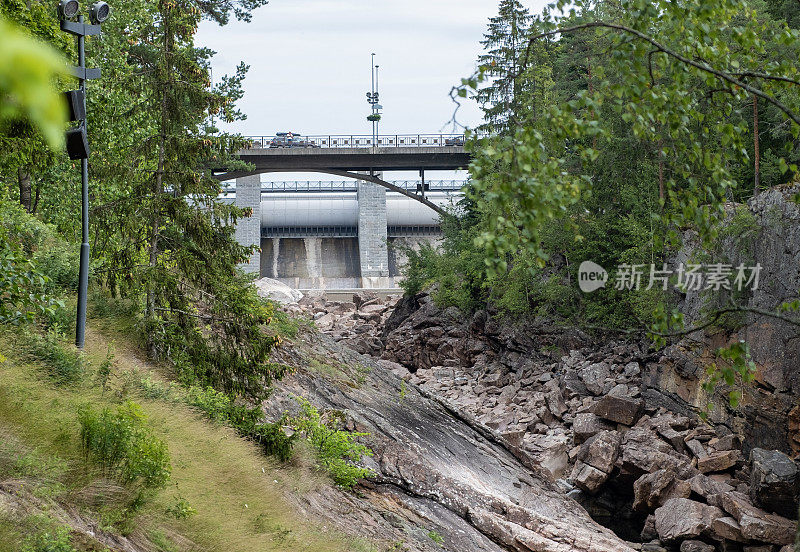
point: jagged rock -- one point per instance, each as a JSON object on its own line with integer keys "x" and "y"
{"x": 588, "y": 424}
{"x": 601, "y": 451}
{"x": 735, "y": 503}
{"x": 594, "y": 377}
{"x": 727, "y": 528}
{"x": 697, "y": 448}
{"x": 550, "y": 452}
{"x": 696, "y": 546}
{"x": 727, "y": 442}
{"x": 588, "y": 478}
{"x": 364, "y": 297}
{"x": 774, "y": 482}
{"x": 623, "y": 410}
{"x": 705, "y": 486}
{"x": 768, "y": 528}
{"x": 654, "y": 489}
{"x": 632, "y": 369}
{"x": 649, "y": 529}
{"x": 555, "y": 400}
{"x": 681, "y": 518}
{"x": 675, "y": 438}
{"x": 718, "y": 461}
{"x": 653, "y": 546}
{"x": 277, "y": 291}
{"x": 644, "y": 452}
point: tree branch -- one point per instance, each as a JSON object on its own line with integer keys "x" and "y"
{"x": 728, "y": 77}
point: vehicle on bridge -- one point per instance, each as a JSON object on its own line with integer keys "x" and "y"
{"x": 290, "y": 140}
{"x": 454, "y": 141}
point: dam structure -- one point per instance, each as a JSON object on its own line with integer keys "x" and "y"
{"x": 343, "y": 234}
{"x": 337, "y": 234}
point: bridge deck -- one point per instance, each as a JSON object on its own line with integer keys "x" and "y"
{"x": 352, "y": 159}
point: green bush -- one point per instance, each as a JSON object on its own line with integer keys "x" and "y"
{"x": 222, "y": 408}
{"x": 54, "y": 540}
{"x": 336, "y": 449}
{"x": 60, "y": 263}
{"x": 64, "y": 363}
{"x": 124, "y": 446}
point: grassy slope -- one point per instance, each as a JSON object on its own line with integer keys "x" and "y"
{"x": 236, "y": 490}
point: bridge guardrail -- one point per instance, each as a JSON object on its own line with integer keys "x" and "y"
{"x": 364, "y": 141}
{"x": 350, "y": 185}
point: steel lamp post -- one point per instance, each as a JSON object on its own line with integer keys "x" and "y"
{"x": 77, "y": 139}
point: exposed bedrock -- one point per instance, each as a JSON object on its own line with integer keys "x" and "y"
{"x": 465, "y": 479}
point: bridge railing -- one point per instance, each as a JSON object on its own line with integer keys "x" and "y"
{"x": 350, "y": 186}
{"x": 360, "y": 141}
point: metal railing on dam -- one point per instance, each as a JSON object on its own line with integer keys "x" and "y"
{"x": 291, "y": 186}
{"x": 358, "y": 141}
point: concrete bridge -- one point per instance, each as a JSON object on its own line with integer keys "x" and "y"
{"x": 312, "y": 241}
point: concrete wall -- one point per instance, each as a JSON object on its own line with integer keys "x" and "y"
{"x": 312, "y": 263}
{"x": 372, "y": 236}
{"x": 248, "y": 229}
{"x": 398, "y": 258}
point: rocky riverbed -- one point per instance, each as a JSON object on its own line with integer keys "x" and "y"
{"x": 573, "y": 420}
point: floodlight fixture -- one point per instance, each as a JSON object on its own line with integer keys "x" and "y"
{"x": 77, "y": 143}
{"x": 67, "y": 9}
{"x": 100, "y": 12}
{"x": 76, "y": 105}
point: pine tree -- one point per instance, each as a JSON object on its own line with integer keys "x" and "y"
{"x": 170, "y": 239}
{"x": 503, "y": 43}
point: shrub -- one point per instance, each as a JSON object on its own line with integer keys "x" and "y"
{"x": 336, "y": 449}
{"x": 55, "y": 540}
{"x": 64, "y": 363}
{"x": 60, "y": 263}
{"x": 124, "y": 446}
{"x": 245, "y": 420}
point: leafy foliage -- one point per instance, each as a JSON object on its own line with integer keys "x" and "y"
{"x": 64, "y": 363}
{"x": 26, "y": 88}
{"x": 335, "y": 448}
{"x": 124, "y": 446}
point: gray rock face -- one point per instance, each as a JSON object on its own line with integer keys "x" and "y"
{"x": 427, "y": 452}
{"x": 774, "y": 482}
{"x": 774, "y": 242}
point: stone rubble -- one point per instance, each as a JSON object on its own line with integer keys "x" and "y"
{"x": 587, "y": 416}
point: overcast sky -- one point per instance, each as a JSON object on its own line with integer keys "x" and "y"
{"x": 310, "y": 63}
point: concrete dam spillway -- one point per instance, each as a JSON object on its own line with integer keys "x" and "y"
{"x": 342, "y": 239}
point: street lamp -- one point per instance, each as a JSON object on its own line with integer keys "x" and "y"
{"x": 372, "y": 100}
{"x": 77, "y": 139}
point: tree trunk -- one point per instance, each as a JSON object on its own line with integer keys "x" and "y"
{"x": 661, "y": 170}
{"x": 756, "y": 155}
{"x": 158, "y": 186}
{"x": 24, "y": 178}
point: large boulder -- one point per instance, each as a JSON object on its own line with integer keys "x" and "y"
{"x": 654, "y": 489}
{"x": 277, "y": 291}
{"x": 586, "y": 425}
{"x": 768, "y": 528}
{"x": 774, "y": 482}
{"x": 619, "y": 408}
{"x": 681, "y": 518}
{"x": 596, "y": 460}
{"x": 594, "y": 376}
